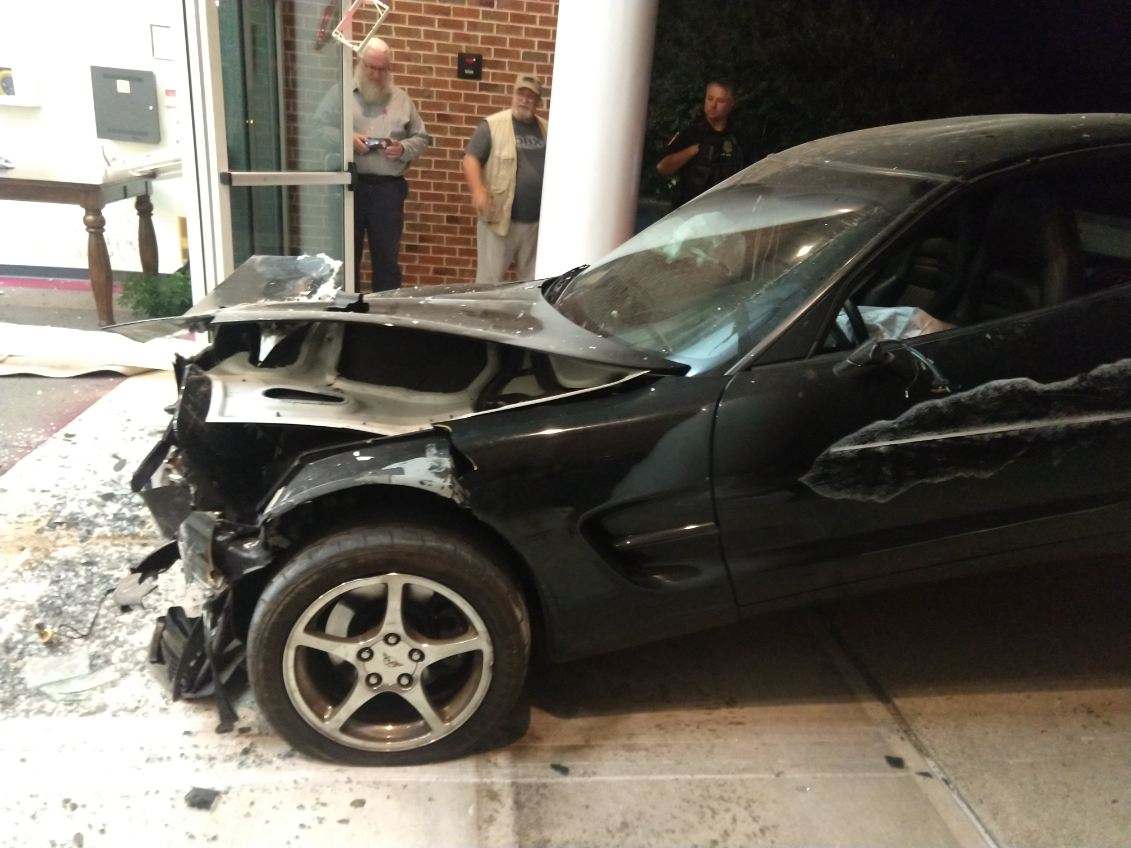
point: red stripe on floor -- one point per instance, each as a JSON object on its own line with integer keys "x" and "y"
{"x": 55, "y": 283}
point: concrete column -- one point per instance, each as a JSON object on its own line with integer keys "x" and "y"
{"x": 602, "y": 72}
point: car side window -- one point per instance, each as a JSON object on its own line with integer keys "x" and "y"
{"x": 1018, "y": 247}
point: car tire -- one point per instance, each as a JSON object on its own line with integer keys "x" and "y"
{"x": 307, "y": 670}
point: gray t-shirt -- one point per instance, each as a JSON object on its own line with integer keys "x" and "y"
{"x": 531, "y": 163}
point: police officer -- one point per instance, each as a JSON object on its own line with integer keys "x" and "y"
{"x": 707, "y": 152}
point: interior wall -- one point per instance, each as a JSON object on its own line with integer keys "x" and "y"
{"x": 51, "y": 66}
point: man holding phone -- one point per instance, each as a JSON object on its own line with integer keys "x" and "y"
{"x": 388, "y": 135}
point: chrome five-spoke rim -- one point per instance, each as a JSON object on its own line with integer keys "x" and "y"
{"x": 388, "y": 663}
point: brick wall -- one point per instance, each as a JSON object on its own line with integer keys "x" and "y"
{"x": 513, "y": 36}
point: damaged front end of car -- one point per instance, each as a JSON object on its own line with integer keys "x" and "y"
{"x": 304, "y": 398}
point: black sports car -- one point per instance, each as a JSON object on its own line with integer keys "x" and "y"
{"x": 893, "y": 354}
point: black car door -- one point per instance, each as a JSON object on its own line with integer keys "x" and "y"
{"x": 827, "y": 473}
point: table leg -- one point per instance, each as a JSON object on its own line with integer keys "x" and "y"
{"x": 98, "y": 262}
{"x": 146, "y": 239}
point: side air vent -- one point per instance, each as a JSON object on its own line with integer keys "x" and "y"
{"x": 301, "y": 396}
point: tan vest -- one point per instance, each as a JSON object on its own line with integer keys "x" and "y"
{"x": 501, "y": 171}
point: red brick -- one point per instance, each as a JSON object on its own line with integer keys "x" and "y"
{"x": 439, "y": 242}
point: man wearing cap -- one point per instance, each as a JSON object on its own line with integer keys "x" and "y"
{"x": 503, "y": 166}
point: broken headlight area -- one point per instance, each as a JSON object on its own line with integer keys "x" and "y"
{"x": 200, "y": 655}
{"x": 217, "y": 553}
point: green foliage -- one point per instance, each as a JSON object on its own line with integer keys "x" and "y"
{"x": 158, "y": 296}
{"x": 806, "y": 69}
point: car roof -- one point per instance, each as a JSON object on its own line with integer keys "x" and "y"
{"x": 964, "y": 147}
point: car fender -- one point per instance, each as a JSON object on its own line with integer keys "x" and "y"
{"x": 423, "y": 461}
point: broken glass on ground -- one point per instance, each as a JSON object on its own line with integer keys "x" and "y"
{"x": 67, "y": 677}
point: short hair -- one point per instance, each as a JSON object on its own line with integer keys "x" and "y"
{"x": 376, "y": 45}
{"x": 721, "y": 82}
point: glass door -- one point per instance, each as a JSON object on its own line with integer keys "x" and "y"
{"x": 276, "y": 88}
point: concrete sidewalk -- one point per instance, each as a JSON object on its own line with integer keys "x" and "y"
{"x": 914, "y": 718}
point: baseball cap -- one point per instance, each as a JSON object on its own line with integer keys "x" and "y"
{"x": 528, "y": 81}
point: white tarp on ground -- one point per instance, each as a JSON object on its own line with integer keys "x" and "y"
{"x": 62, "y": 352}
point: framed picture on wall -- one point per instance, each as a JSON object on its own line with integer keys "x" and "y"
{"x": 15, "y": 85}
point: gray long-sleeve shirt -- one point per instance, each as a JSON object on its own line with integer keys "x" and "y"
{"x": 395, "y": 118}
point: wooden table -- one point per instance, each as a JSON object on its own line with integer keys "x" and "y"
{"x": 91, "y": 192}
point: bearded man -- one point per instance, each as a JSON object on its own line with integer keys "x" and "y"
{"x": 388, "y": 134}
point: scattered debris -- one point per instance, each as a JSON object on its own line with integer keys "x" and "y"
{"x": 559, "y": 768}
{"x": 201, "y": 799}
{"x": 130, "y": 591}
{"x": 47, "y": 633}
{"x": 895, "y": 762}
{"x": 65, "y": 678}
{"x": 357, "y": 802}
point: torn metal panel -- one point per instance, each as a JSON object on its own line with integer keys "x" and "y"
{"x": 262, "y": 279}
{"x": 314, "y": 390}
{"x": 274, "y": 290}
{"x": 311, "y": 392}
{"x": 972, "y": 434}
{"x": 216, "y": 552}
{"x": 421, "y": 464}
{"x": 515, "y": 314}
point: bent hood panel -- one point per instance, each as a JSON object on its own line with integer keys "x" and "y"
{"x": 294, "y": 289}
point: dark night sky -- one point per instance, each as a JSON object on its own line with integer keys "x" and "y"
{"x": 1052, "y": 56}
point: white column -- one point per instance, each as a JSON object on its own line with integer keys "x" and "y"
{"x": 598, "y": 103}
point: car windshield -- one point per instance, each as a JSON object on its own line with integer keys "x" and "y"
{"x": 709, "y": 281}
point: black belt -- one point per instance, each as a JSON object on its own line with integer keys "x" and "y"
{"x": 376, "y": 179}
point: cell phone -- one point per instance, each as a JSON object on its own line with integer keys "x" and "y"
{"x": 376, "y": 143}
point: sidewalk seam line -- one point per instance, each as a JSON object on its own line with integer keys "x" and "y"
{"x": 868, "y": 688}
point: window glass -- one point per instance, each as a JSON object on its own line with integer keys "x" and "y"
{"x": 706, "y": 283}
{"x": 1020, "y": 246}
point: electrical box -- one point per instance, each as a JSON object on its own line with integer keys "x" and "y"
{"x": 125, "y": 105}
{"x": 469, "y": 66}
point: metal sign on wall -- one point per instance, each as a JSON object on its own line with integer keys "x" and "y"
{"x": 125, "y": 105}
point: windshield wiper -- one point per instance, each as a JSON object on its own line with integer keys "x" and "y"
{"x": 553, "y": 287}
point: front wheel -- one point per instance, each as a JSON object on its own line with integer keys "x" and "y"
{"x": 388, "y": 645}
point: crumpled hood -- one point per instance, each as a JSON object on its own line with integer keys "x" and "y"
{"x": 294, "y": 289}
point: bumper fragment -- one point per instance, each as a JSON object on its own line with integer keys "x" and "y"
{"x": 166, "y": 494}
{"x": 142, "y": 578}
{"x": 199, "y": 654}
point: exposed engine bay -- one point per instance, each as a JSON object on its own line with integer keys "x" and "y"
{"x": 264, "y": 393}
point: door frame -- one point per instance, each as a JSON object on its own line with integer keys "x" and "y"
{"x": 209, "y": 211}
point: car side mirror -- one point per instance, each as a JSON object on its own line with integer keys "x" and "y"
{"x": 894, "y": 356}
{"x": 872, "y": 354}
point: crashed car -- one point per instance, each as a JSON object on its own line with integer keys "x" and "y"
{"x": 896, "y": 354}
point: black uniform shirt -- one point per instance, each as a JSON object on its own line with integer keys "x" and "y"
{"x": 720, "y": 155}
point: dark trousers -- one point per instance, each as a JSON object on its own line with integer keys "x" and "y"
{"x": 378, "y": 210}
